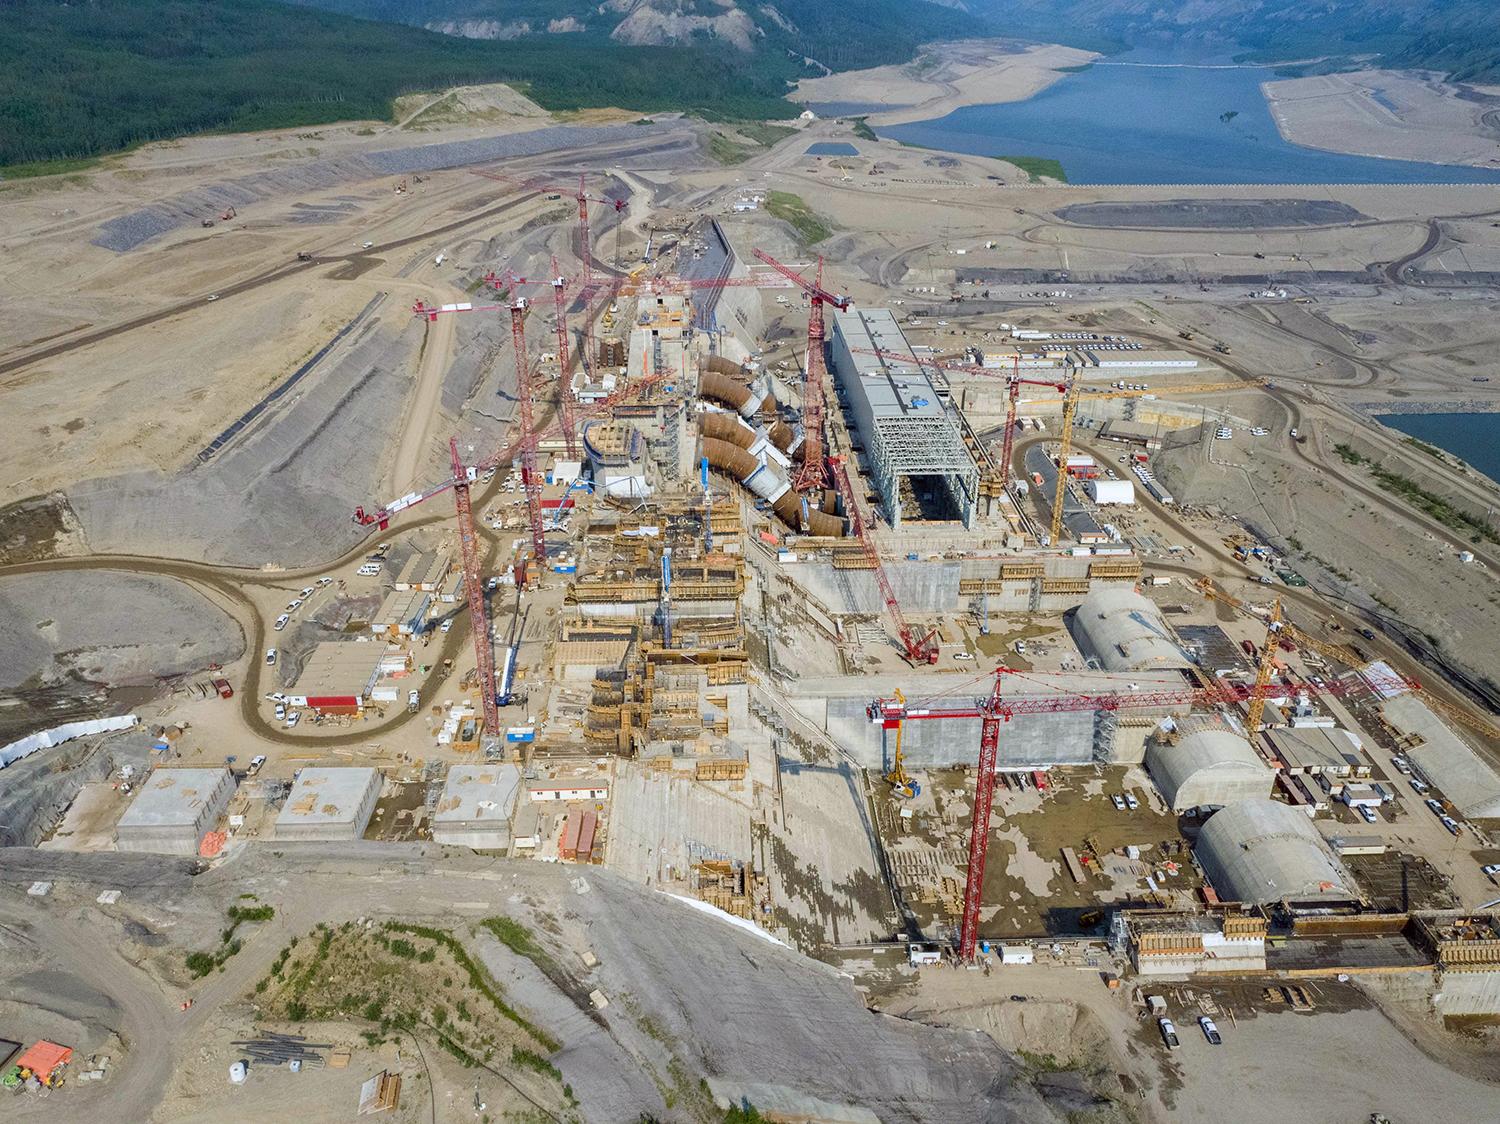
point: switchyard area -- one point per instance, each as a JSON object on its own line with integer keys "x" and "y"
{"x": 851, "y": 611}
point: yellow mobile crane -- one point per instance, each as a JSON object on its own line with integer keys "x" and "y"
{"x": 1070, "y": 405}
{"x": 897, "y": 777}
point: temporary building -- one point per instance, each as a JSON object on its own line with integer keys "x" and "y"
{"x": 1111, "y": 491}
{"x": 1208, "y": 768}
{"x": 1261, "y": 852}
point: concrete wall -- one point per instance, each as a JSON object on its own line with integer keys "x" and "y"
{"x": 1027, "y": 741}
{"x": 921, "y": 587}
{"x": 1468, "y": 993}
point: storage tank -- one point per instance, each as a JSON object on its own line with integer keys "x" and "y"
{"x": 1111, "y": 491}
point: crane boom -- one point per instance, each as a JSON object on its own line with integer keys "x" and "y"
{"x": 923, "y": 650}
{"x": 997, "y": 708}
{"x": 468, "y": 541}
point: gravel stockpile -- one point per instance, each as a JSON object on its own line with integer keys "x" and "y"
{"x": 283, "y": 489}
{"x": 108, "y": 627}
{"x": 137, "y": 228}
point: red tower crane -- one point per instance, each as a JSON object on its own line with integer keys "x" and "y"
{"x": 585, "y": 251}
{"x": 531, "y": 482}
{"x": 508, "y": 279}
{"x": 998, "y": 708}
{"x": 918, "y": 650}
{"x": 479, "y": 621}
{"x": 380, "y": 517}
{"x": 813, "y": 473}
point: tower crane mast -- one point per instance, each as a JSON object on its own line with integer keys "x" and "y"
{"x": 468, "y": 541}
{"x": 814, "y": 472}
{"x": 997, "y": 708}
{"x": 531, "y": 482}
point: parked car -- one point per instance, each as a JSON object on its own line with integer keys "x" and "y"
{"x": 306, "y": 593}
{"x": 255, "y": 764}
{"x": 1367, "y": 813}
{"x": 293, "y": 718}
{"x": 447, "y": 625}
{"x": 1451, "y": 824}
{"x": 270, "y": 657}
{"x": 1118, "y": 801}
{"x": 1131, "y": 802}
{"x": 281, "y": 621}
{"x": 1168, "y": 1033}
{"x": 1210, "y": 1031}
{"x": 294, "y": 604}
{"x": 1491, "y": 869}
{"x": 325, "y": 581}
{"x": 280, "y": 711}
{"x": 963, "y": 655}
{"x": 1419, "y": 787}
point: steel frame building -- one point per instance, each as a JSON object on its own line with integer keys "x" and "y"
{"x": 903, "y": 422}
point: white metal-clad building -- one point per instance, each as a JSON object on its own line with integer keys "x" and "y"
{"x": 1208, "y": 768}
{"x": 173, "y": 810}
{"x": 1259, "y": 852}
{"x": 1111, "y": 491}
{"x": 1124, "y": 631}
{"x": 476, "y": 806}
{"x": 1445, "y": 758}
{"x": 329, "y": 804}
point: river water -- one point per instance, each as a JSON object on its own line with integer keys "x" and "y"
{"x": 1152, "y": 119}
{"x": 1474, "y": 438}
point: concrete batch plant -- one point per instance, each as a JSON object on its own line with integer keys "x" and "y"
{"x": 173, "y": 810}
{"x": 329, "y": 804}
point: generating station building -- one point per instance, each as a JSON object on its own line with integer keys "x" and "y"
{"x": 917, "y": 459}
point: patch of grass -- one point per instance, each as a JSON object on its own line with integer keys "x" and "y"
{"x": 725, "y": 151}
{"x": 1438, "y": 507}
{"x": 516, "y": 937}
{"x": 239, "y": 913}
{"x": 1038, "y": 167}
{"x": 33, "y": 168}
{"x": 1431, "y": 450}
{"x": 530, "y": 1059}
{"x": 764, "y": 133}
{"x": 860, "y": 127}
{"x": 790, "y": 208}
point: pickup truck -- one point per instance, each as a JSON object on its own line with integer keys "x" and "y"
{"x": 1168, "y": 1033}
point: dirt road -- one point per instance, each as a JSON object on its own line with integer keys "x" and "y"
{"x": 422, "y": 408}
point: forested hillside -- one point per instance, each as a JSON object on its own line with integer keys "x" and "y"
{"x": 1458, "y": 37}
{"x": 93, "y": 76}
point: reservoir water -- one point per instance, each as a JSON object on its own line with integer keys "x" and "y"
{"x": 1142, "y": 118}
{"x": 1474, "y": 438}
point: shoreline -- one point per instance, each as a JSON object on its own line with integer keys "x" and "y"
{"x": 948, "y": 76}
